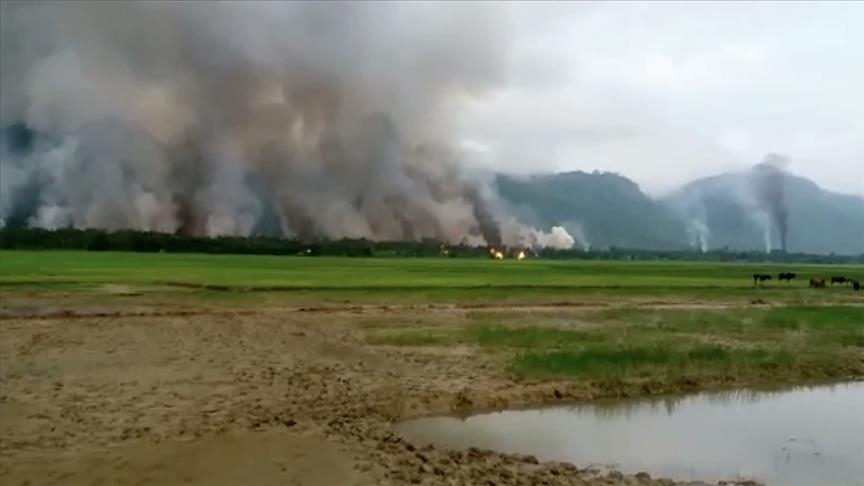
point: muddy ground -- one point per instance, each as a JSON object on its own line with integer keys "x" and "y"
{"x": 248, "y": 395}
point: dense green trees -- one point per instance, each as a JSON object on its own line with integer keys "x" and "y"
{"x": 146, "y": 241}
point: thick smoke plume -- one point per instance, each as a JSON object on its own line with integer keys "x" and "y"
{"x": 300, "y": 119}
{"x": 770, "y": 189}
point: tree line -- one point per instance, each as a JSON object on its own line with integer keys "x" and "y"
{"x": 149, "y": 241}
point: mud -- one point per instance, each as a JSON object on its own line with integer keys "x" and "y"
{"x": 264, "y": 397}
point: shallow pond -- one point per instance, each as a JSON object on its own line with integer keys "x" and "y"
{"x": 804, "y": 436}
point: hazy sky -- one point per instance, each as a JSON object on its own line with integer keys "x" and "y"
{"x": 666, "y": 92}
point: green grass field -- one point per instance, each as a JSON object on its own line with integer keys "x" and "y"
{"x": 274, "y": 272}
{"x": 743, "y": 344}
{"x": 612, "y": 324}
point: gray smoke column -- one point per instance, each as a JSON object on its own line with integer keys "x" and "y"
{"x": 302, "y": 119}
{"x": 770, "y": 188}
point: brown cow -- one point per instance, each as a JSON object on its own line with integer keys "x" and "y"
{"x": 817, "y": 283}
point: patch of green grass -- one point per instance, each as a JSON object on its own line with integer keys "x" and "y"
{"x": 285, "y": 272}
{"x": 532, "y": 337}
{"x": 846, "y": 339}
{"x": 836, "y": 317}
{"x": 632, "y": 360}
{"x": 794, "y": 318}
{"x": 301, "y": 281}
{"x": 785, "y": 320}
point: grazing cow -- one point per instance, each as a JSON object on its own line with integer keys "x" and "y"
{"x": 787, "y": 276}
{"x": 760, "y": 277}
{"x": 856, "y": 284}
{"x": 839, "y": 280}
{"x": 817, "y": 283}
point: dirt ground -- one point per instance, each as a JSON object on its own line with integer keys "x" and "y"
{"x": 251, "y": 396}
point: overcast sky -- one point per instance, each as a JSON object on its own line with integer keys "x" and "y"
{"x": 667, "y": 92}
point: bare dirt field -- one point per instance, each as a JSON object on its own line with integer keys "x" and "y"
{"x": 141, "y": 390}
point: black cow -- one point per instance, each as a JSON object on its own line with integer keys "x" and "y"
{"x": 787, "y": 276}
{"x": 856, "y": 284}
{"x": 839, "y": 280}
{"x": 760, "y": 277}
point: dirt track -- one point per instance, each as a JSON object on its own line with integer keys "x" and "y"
{"x": 42, "y": 312}
{"x": 276, "y": 397}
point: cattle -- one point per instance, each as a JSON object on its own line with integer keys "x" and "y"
{"x": 839, "y": 280}
{"x": 856, "y": 284}
{"x": 760, "y": 277}
{"x": 787, "y": 276}
{"x": 817, "y": 283}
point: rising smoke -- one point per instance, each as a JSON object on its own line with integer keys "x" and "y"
{"x": 300, "y": 119}
{"x": 580, "y": 236}
{"x": 699, "y": 233}
{"x": 769, "y": 184}
{"x": 692, "y": 209}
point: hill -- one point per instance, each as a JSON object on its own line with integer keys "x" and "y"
{"x": 749, "y": 209}
{"x": 755, "y": 209}
{"x": 599, "y": 209}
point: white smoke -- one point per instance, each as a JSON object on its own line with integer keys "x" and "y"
{"x": 762, "y": 220}
{"x": 50, "y": 217}
{"x": 699, "y": 234}
{"x": 577, "y": 230}
{"x": 557, "y": 237}
{"x": 758, "y": 193}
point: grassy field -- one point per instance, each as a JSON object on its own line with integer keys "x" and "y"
{"x": 783, "y": 343}
{"x": 109, "y": 352}
{"x": 273, "y": 272}
{"x": 715, "y": 327}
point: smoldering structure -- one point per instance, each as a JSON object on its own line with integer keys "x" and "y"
{"x": 309, "y": 120}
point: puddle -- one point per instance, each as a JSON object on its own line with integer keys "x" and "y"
{"x": 804, "y": 436}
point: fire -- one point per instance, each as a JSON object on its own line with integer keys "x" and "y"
{"x": 520, "y": 255}
{"x": 496, "y": 254}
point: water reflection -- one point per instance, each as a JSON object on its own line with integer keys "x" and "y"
{"x": 800, "y": 436}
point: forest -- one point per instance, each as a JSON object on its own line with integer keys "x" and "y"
{"x": 154, "y": 242}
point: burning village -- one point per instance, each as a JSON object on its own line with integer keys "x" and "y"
{"x": 397, "y": 243}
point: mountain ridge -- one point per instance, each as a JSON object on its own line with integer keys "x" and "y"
{"x": 741, "y": 210}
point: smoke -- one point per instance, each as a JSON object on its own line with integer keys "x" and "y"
{"x": 697, "y": 225}
{"x": 303, "y": 119}
{"x": 699, "y": 234}
{"x": 557, "y": 237}
{"x": 577, "y": 231}
{"x": 762, "y": 220}
{"x": 769, "y": 185}
{"x": 691, "y": 207}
